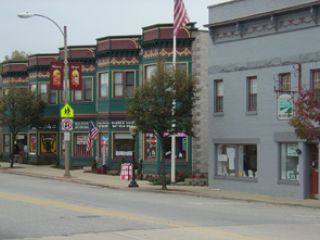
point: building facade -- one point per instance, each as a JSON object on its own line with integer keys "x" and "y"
{"x": 261, "y": 53}
{"x": 111, "y": 70}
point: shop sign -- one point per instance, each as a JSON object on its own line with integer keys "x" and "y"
{"x": 83, "y": 125}
{"x": 285, "y": 107}
{"x": 49, "y": 126}
{"x": 48, "y": 143}
{"x": 103, "y": 124}
{"x": 121, "y": 124}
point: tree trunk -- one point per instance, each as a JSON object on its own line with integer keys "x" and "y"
{"x": 11, "y": 159}
{"x": 13, "y": 148}
{"x": 163, "y": 164}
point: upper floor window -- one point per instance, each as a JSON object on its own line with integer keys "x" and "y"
{"x": 44, "y": 92}
{"x": 182, "y": 67}
{"x": 86, "y": 93}
{"x": 53, "y": 95}
{"x": 218, "y": 92}
{"x": 149, "y": 71}
{"x": 315, "y": 82}
{"x": 33, "y": 88}
{"x": 104, "y": 85}
{"x": 252, "y": 94}
{"x": 315, "y": 79}
{"x": 123, "y": 84}
{"x": 285, "y": 82}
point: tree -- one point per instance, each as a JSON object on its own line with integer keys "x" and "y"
{"x": 16, "y": 56}
{"x": 20, "y": 108}
{"x": 307, "y": 115}
{"x": 307, "y": 119}
{"x": 151, "y": 107}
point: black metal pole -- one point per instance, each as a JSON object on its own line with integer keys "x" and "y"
{"x": 133, "y": 182}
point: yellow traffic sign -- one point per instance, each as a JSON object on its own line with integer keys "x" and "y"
{"x": 66, "y": 111}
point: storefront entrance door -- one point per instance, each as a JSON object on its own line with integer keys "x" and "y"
{"x": 313, "y": 160}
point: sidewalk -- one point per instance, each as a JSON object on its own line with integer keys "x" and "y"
{"x": 114, "y": 182}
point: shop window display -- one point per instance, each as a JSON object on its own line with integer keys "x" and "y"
{"x": 237, "y": 160}
{"x": 289, "y": 166}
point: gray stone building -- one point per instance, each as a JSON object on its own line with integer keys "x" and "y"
{"x": 261, "y": 53}
{"x": 200, "y": 116}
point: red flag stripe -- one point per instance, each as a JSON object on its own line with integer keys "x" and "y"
{"x": 180, "y": 16}
{"x": 93, "y": 133}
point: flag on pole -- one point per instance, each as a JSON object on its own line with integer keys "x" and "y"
{"x": 93, "y": 133}
{"x": 180, "y": 16}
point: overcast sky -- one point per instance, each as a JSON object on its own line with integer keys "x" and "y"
{"x": 86, "y": 20}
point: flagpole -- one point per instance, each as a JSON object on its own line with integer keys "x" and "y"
{"x": 173, "y": 124}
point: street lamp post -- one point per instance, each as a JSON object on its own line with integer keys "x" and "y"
{"x": 133, "y": 131}
{"x": 65, "y": 82}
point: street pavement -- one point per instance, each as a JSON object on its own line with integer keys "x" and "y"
{"x": 114, "y": 182}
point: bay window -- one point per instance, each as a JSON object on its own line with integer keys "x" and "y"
{"x": 104, "y": 85}
{"x": 86, "y": 93}
{"x": 123, "y": 84}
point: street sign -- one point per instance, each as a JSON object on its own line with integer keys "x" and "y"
{"x": 66, "y": 111}
{"x": 67, "y": 124}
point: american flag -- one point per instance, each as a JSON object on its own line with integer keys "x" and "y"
{"x": 180, "y": 16}
{"x": 93, "y": 133}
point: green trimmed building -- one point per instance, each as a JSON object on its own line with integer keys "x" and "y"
{"x": 111, "y": 70}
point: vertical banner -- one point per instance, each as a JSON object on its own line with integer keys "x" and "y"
{"x": 56, "y": 76}
{"x": 75, "y": 76}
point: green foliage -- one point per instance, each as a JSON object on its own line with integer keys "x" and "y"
{"x": 20, "y": 108}
{"x": 307, "y": 115}
{"x": 151, "y": 106}
{"x": 17, "y": 56}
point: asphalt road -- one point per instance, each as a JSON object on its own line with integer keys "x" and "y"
{"x": 34, "y": 208}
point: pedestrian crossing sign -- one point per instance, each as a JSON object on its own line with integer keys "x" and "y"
{"x": 66, "y": 111}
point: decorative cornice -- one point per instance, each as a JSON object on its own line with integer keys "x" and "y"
{"x": 267, "y": 63}
{"x": 117, "y": 61}
{"x": 15, "y": 80}
{"x": 39, "y": 75}
{"x": 88, "y": 68}
{"x": 154, "y": 53}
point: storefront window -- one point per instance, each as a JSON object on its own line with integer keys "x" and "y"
{"x": 48, "y": 143}
{"x": 33, "y": 143}
{"x": 150, "y": 146}
{"x": 237, "y": 160}
{"x": 289, "y": 161}
{"x": 123, "y": 145}
{"x": 6, "y": 143}
{"x": 80, "y": 147}
{"x": 181, "y": 146}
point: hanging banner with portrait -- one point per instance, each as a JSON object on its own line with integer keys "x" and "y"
{"x": 75, "y": 76}
{"x": 48, "y": 143}
{"x": 56, "y": 76}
